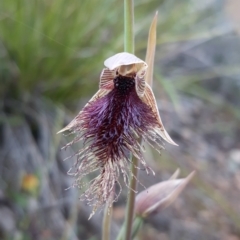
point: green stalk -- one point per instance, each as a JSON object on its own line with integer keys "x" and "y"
{"x": 126, "y": 229}
{"x": 129, "y": 47}
{"x": 137, "y": 224}
{"x": 106, "y": 223}
{"x": 131, "y": 200}
{"x": 129, "y": 26}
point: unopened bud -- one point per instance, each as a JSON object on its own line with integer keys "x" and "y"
{"x": 161, "y": 195}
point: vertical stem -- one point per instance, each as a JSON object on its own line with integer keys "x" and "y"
{"x": 129, "y": 47}
{"x": 137, "y": 224}
{"x": 131, "y": 200}
{"x": 106, "y": 223}
{"x": 126, "y": 231}
{"x": 129, "y": 26}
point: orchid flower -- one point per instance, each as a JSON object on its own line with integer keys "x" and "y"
{"x": 123, "y": 111}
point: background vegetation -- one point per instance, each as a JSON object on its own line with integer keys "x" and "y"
{"x": 51, "y": 55}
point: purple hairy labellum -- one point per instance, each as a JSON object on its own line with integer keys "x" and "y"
{"x": 111, "y": 124}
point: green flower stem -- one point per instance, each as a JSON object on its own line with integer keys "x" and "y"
{"x": 106, "y": 223}
{"x": 129, "y": 47}
{"x": 137, "y": 223}
{"x": 126, "y": 229}
{"x": 131, "y": 200}
{"x": 129, "y": 26}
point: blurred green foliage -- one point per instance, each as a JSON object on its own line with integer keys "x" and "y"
{"x": 56, "y": 48}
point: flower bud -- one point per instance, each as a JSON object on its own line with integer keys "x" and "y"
{"x": 161, "y": 195}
